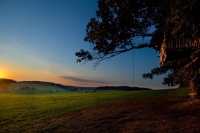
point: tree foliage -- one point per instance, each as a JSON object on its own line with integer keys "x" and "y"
{"x": 118, "y": 23}
{"x": 181, "y": 21}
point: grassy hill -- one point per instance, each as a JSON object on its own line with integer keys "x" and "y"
{"x": 36, "y": 87}
{"x": 31, "y": 87}
{"x": 4, "y": 83}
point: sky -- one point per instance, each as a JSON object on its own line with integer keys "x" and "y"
{"x": 39, "y": 39}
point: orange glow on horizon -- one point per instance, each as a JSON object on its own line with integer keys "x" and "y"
{"x": 2, "y": 75}
{"x": 22, "y": 73}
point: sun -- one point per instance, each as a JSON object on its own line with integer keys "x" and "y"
{"x": 2, "y": 75}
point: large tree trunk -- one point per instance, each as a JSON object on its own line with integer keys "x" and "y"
{"x": 194, "y": 94}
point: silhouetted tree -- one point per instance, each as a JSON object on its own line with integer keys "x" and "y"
{"x": 119, "y": 23}
{"x": 181, "y": 22}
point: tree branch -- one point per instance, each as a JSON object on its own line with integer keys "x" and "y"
{"x": 100, "y": 58}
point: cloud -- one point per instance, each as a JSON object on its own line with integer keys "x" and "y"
{"x": 82, "y": 80}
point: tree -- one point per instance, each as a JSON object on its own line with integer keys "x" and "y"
{"x": 181, "y": 24}
{"x": 119, "y": 23}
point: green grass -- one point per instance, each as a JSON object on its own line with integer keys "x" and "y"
{"x": 22, "y": 111}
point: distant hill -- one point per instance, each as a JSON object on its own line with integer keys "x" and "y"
{"x": 43, "y": 86}
{"x": 44, "y": 83}
{"x": 3, "y": 80}
{"x": 124, "y": 88}
{"x": 4, "y": 83}
{"x": 83, "y": 89}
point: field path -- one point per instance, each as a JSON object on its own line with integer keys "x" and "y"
{"x": 158, "y": 114}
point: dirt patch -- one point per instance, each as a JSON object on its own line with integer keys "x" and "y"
{"x": 135, "y": 116}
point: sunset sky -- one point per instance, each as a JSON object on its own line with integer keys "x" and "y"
{"x": 39, "y": 38}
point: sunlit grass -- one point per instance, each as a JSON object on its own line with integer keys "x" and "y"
{"x": 32, "y": 111}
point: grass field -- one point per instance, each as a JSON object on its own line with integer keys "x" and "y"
{"x": 20, "y": 110}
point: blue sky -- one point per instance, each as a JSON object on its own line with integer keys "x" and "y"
{"x": 39, "y": 38}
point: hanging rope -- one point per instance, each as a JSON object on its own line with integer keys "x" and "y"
{"x": 133, "y": 70}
